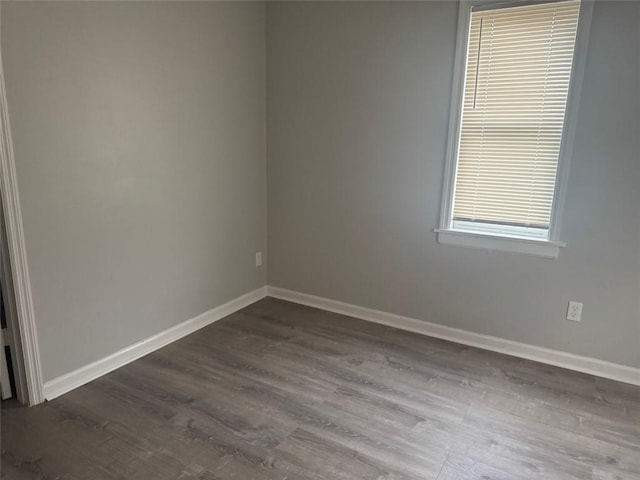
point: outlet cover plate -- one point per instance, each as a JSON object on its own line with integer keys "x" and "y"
{"x": 574, "y": 312}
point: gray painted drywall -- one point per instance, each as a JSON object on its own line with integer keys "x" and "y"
{"x": 139, "y": 136}
{"x": 357, "y": 112}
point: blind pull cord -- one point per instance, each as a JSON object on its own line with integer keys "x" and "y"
{"x": 475, "y": 87}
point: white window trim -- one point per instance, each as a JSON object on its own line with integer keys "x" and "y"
{"x": 497, "y": 240}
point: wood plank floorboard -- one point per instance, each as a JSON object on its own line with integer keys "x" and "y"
{"x": 278, "y": 391}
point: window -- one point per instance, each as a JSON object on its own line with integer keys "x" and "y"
{"x": 515, "y": 99}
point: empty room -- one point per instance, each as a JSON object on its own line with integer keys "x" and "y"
{"x": 320, "y": 240}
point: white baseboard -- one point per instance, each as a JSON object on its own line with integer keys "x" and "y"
{"x": 67, "y": 382}
{"x": 558, "y": 358}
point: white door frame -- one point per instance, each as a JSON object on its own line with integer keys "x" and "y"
{"x": 31, "y": 369}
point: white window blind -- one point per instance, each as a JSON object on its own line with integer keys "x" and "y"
{"x": 519, "y": 62}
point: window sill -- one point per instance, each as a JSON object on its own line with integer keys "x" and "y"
{"x": 524, "y": 246}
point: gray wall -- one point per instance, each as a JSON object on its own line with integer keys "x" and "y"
{"x": 139, "y": 136}
{"x": 358, "y": 106}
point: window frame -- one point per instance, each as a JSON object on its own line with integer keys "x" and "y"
{"x": 446, "y": 232}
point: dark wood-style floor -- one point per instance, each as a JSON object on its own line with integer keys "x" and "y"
{"x": 280, "y": 391}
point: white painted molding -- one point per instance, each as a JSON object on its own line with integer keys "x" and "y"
{"x": 571, "y": 116}
{"x": 18, "y": 255}
{"x": 65, "y": 383}
{"x": 570, "y": 361}
{"x": 524, "y": 246}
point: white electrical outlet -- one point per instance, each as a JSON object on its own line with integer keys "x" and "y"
{"x": 258, "y": 259}
{"x": 574, "y": 312}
